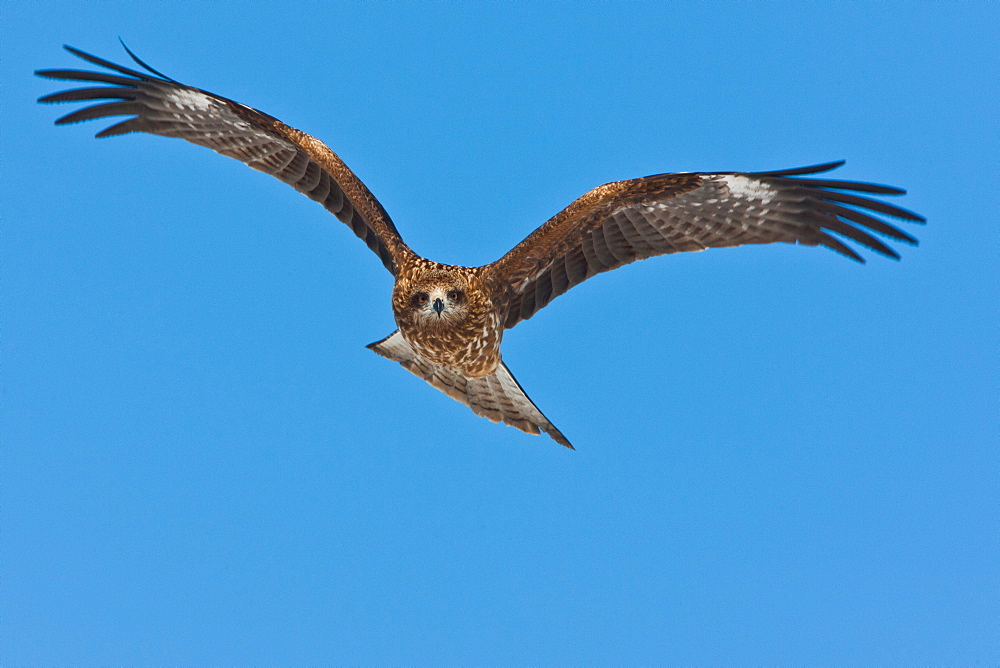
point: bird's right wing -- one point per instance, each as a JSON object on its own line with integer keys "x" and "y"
{"x": 497, "y": 397}
{"x": 161, "y": 106}
{"x": 621, "y": 222}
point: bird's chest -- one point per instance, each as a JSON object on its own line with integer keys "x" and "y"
{"x": 472, "y": 346}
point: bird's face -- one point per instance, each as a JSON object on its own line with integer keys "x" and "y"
{"x": 438, "y": 300}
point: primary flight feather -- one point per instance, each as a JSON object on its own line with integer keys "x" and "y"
{"x": 451, "y": 319}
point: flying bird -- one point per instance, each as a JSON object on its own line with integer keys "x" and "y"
{"x": 451, "y": 319}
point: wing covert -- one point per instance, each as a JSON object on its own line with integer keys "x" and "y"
{"x": 161, "y": 106}
{"x": 619, "y": 223}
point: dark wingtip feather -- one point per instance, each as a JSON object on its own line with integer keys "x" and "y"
{"x": 858, "y": 186}
{"x": 908, "y": 215}
{"x": 57, "y": 74}
{"x": 871, "y": 222}
{"x": 101, "y": 62}
{"x": 124, "y": 108}
{"x": 82, "y": 94}
{"x": 143, "y": 63}
{"x": 123, "y": 128}
{"x": 89, "y": 75}
{"x": 839, "y": 246}
{"x": 862, "y": 237}
{"x": 798, "y": 171}
{"x": 873, "y": 205}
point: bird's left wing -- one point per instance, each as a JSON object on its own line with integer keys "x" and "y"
{"x": 161, "y": 106}
{"x": 621, "y": 222}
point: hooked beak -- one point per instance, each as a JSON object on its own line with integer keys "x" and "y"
{"x": 438, "y": 306}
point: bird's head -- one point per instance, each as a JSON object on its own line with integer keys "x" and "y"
{"x": 436, "y": 298}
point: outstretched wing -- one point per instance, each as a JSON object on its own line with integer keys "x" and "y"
{"x": 161, "y": 106}
{"x": 497, "y": 397}
{"x": 619, "y": 223}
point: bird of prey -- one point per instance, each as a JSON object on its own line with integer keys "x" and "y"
{"x": 451, "y": 319}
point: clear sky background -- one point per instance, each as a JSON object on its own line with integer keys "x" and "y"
{"x": 784, "y": 457}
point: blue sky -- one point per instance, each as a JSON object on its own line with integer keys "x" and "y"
{"x": 783, "y": 457}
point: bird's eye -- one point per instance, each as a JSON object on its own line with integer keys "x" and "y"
{"x": 455, "y": 295}
{"x": 420, "y": 298}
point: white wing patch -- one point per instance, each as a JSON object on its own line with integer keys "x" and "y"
{"x": 748, "y": 188}
{"x": 190, "y": 99}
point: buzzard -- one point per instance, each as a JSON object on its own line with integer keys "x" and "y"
{"x": 451, "y": 319}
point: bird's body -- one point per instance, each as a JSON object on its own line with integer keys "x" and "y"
{"x": 464, "y": 332}
{"x": 451, "y": 319}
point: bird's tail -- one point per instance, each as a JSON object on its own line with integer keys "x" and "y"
{"x": 497, "y": 397}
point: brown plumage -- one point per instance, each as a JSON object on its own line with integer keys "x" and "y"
{"x": 451, "y": 319}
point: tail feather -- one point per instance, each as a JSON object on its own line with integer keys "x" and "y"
{"x": 497, "y": 397}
